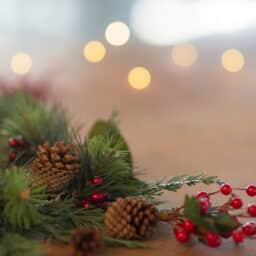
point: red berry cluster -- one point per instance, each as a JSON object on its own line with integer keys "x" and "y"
{"x": 96, "y": 199}
{"x": 15, "y": 145}
{"x": 184, "y": 227}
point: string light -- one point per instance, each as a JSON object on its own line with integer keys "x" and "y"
{"x": 232, "y": 60}
{"x": 139, "y": 78}
{"x": 94, "y": 51}
{"x": 117, "y": 33}
{"x": 21, "y": 63}
{"x": 184, "y": 55}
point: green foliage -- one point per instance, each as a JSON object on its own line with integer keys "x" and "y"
{"x": 21, "y": 210}
{"x": 34, "y": 122}
{"x": 16, "y": 245}
{"x": 214, "y": 221}
{"x": 124, "y": 243}
{"x": 110, "y": 127}
{"x": 61, "y": 217}
{"x": 103, "y": 156}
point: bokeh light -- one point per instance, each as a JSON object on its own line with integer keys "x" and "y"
{"x": 166, "y": 22}
{"x": 232, "y": 60}
{"x": 117, "y": 33}
{"x": 94, "y": 51}
{"x": 139, "y": 78}
{"x": 184, "y": 55}
{"x": 21, "y": 63}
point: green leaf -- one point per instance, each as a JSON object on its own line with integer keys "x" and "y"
{"x": 225, "y": 223}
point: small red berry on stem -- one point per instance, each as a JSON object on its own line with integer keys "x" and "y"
{"x": 13, "y": 143}
{"x": 96, "y": 180}
{"x": 236, "y": 202}
{"x": 98, "y": 197}
{"x": 251, "y": 190}
{"x": 212, "y": 239}
{"x": 204, "y": 204}
{"x": 181, "y": 235}
{"x": 201, "y": 194}
{"x": 238, "y": 237}
{"x": 85, "y": 204}
{"x": 249, "y": 228}
{"x": 12, "y": 156}
{"x": 188, "y": 225}
{"x": 251, "y": 210}
{"x": 20, "y": 142}
{"x": 226, "y": 189}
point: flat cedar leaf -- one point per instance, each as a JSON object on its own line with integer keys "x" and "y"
{"x": 225, "y": 223}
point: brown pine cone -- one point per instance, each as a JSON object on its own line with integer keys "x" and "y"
{"x": 86, "y": 240}
{"x": 54, "y": 166}
{"x": 131, "y": 218}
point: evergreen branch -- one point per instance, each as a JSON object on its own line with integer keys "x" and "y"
{"x": 17, "y": 245}
{"x": 21, "y": 201}
{"x": 178, "y": 182}
{"x": 61, "y": 217}
{"x": 131, "y": 244}
{"x": 35, "y": 123}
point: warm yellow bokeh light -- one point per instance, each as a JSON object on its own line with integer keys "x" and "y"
{"x": 117, "y": 33}
{"x": 21, "y": 63}
{"x": 139, "y": 78}
{"x": 232, "y": 60}
{"x": 184, "y": 55}
{"x": 94, "y": 51}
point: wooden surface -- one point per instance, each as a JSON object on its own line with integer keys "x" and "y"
{"x": 167, "y": 246}
{"x": 173, "y": 127}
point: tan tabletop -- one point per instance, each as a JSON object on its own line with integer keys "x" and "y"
{"x": 167, "y": 246}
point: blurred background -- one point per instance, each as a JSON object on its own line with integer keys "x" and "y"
{"x": 181, "y": 73}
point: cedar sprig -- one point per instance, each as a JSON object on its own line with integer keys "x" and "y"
{"x": 177, "y": 182}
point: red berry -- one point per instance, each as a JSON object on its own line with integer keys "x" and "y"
{"x": 204, "y": 204}
{"x": 96, "y": 180}
{"x": 85, "y": 204}
{"x": 12, "y": 156}
{"x": 251, "y": 190}
{"x": 181, "y": 235}
{"x": 226, "y": 189}
{"x": 236, "y": 202}
{"x": 212, "y": 239}
{"x": 251, "y": 210}
{"x": 227, "y": 235}
{"x": 238, "y": 237}
{"x": 201, "y": 194}
{"x": 188, "y": 225}
{"x": 13, "y": 143}
{"x": 249, "y": 228}
{"x": 99, "y": 197}
{"x": 20, "y": 142}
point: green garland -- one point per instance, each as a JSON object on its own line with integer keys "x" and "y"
{"x": 25, "y": 212}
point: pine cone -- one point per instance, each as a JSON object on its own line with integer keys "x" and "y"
{"x": 131, "y": 218}
{"x": 54, "y": 166}
{"x": 86, "y": 240}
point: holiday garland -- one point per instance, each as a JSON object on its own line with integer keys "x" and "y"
{"x": 54, "y": 185}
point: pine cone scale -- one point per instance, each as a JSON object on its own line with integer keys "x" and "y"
{"x": 55, "y": 166}
{"x": 131, "y": 218}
